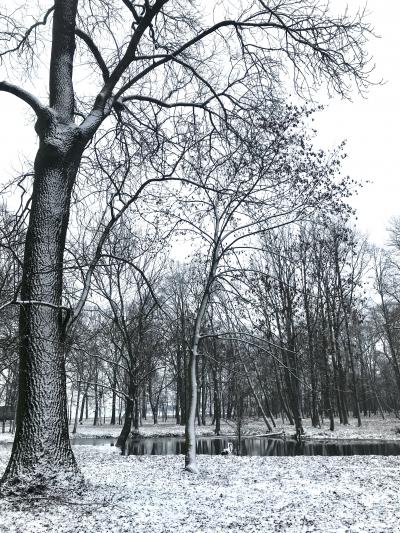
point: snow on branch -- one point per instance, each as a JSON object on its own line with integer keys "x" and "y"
{"x": 24, "y": 95}
{"x": 34, "y": 302}
{"x": 95, "y": 51}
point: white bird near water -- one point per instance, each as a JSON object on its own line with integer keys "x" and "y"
{"x": 228, "y": 450}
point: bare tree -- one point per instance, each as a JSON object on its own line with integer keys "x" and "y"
{"x": 248, "y": 186}
{"x": 146, "y": 59}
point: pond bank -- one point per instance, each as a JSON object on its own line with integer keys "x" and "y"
{"x": 373, "y": 428}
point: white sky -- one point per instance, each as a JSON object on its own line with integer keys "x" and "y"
{"x": 370, "y": 127}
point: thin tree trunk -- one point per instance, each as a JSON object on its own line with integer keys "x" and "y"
{"x": 126, "y": 428}
{"x": 203, "y": 392}
{"x": 327, "y": 392}
{"x": 198, "y": 401}
{"x": 96, "y": 405}
{"x": 254, "y": 393}
{"x": 70, "y": 406}
{"x": 285, "y": 408}
{"x": 84, "y": 402}
{"x": 217, "y": 402}
{"x": 190, "y": 434}
{"x": 265, "y": 394}
{"x": 114, "y": 397}
{"x": 78, "y": 397}
{"x": 352, "y": 365}
{"x": 136, "y": 411}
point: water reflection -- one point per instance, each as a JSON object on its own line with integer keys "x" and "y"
{"x": 251, "y": 446}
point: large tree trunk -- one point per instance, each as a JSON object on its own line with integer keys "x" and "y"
{"x": 42, "y": 457}
{"x": 41, "y": 452}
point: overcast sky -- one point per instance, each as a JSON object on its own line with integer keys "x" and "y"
{"x": 369, "y": 125}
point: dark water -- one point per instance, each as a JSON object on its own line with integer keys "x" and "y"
{"x": 251, "y": 446}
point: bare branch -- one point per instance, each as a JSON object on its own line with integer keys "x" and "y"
{"x": 95, "y": 51}
{"x": 23, "y": 95}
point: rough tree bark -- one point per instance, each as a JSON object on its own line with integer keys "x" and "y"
{"x": 41, "y": 424}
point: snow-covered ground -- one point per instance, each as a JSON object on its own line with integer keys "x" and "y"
{"x": 6, "y": 437}
{"x": 357, "y": 494}
{"x": 371, "y": 428}
{"x": 273, "y": 494}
